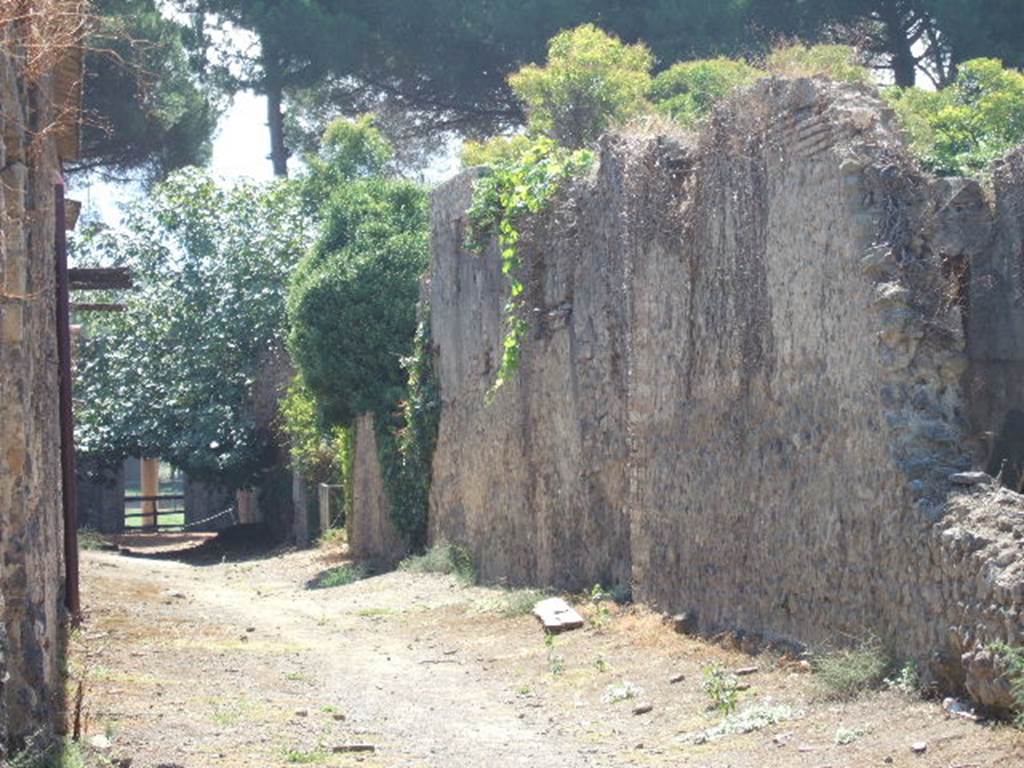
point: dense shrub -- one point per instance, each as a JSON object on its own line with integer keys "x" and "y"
{"x": 837, "y": 62}
{"x": 352, "y": 302}
{"x": 688, "y": 91}
{"x": 961, "y": 129}
{"x": 592, "y": 82}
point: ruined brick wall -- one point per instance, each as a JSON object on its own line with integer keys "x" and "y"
{"x": 30, "y": 492}
{"x": 743, "y": 389}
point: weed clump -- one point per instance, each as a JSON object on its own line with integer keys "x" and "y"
{"x": 722, "y": 688}
{"x": 847, "y": 673}
{"x": 1011, "y": 657}
{"x": 520, "y": 602}
{"x": 444, "y": 558}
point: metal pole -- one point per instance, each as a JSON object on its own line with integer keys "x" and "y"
{"x": 67, "y": 420}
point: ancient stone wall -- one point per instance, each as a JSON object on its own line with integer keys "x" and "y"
{"x": 372, "y": 536}
{"x": 30, "y": 489}
{"x": 745, "y": 387}
{"x": 995, "y": 315}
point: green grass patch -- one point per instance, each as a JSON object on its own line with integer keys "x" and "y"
{"x": 449, "y": 559}
{"x": 340, "y": 576}
{"x": 305, "y": 756}
{"x": 162, "y": 518}
{"x": 371, "y": 612}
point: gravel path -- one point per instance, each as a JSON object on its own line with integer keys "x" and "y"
{"x": 222, "y": 664}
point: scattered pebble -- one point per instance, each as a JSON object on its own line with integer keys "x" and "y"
{"x": 677, "y": 678}
{"x": 919, "y": 747}
{"x": 301, "y": 712}
{"x": 745, "y": 671}
{"x": 643, "y": 708}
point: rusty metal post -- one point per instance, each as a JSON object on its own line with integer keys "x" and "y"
{"x": 69, "y": 485}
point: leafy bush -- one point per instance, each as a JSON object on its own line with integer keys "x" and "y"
{"x": 847, "y": 673}
{"x": 688, "y": 91}
{"x": 444, "y": 558}
{"x": 837, "y": 62}
{"x": 1012, "y": 659}
{"x": 500, "y": 150}
{"x": 592, "y": 82}
{"x": 352, "y": 301}
{"x": 349, "y": 150}
{"x": 317, "y": 452}
{"x": 961, "y": 129}
{"x": 406, "y": 448}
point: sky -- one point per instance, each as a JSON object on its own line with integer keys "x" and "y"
{"x": 241, "y": 149}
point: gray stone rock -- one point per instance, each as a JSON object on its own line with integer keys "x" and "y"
{"x": 987, "y": 683}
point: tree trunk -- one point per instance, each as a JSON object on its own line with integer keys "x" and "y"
{"x": 275, "y": 115}
{"x": 275, "y": 121}
{"x": 897, "y": 31}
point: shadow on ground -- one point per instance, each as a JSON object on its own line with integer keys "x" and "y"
{"x": 233, "y": 545}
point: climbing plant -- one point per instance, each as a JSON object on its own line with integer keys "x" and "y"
{"x": 516, "y": 188}
{"x": 406, "y": 440}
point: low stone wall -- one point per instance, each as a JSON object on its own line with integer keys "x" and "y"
{"x": 745, "y": 386}
{"x": 372, "y": 536}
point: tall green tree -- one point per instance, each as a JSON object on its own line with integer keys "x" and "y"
{"x": 181, "y": 373}
{"x": 147, "y": 111}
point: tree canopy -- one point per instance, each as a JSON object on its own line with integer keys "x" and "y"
{"x": 147, "y": 113}
{"x": 180, "y": 374}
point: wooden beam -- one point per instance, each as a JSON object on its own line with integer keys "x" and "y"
{"x": 100, "y": 279}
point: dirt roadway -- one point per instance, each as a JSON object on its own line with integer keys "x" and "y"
{"x": 227, "y": 664}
